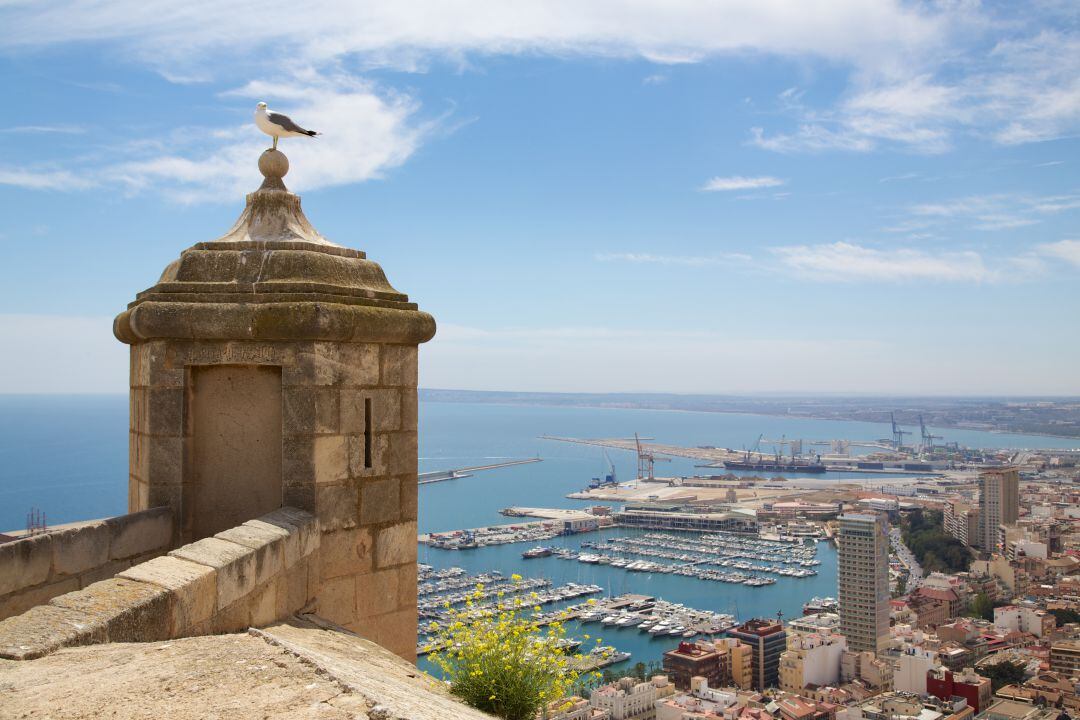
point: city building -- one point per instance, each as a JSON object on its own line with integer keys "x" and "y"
{"x": 700, "y": 703}
{"x": 863, "y": 581}
{"x": 910, "y": 667}
{"x": 575, "y": 708}
{"x": 691, "y": 660}
{"x": 632, "y": 699}
{"x": 768, "y": 641}
{"x": 962, "y": 522}
{"x": 811, "y": 659}
{"x": 1024, "y": 619}
{"x": 1065, "y": 657}
{"x": 999, "y": 503}
{"x": 945, "y": 684}
{"x": 1012, "y": 710}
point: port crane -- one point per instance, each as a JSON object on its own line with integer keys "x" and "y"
{"x": 927, "y": 438}
{"x": 646, "y": 460}
{"x": 898, "y": 432}
{"x": 795, "y": 446}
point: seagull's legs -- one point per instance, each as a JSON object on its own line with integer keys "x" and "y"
{"x": 275, "y": 142}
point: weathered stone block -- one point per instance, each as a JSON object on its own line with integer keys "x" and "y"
{"x": 331, "y": 454}
{"x": 268, "y": 547}
{"x": 409, "y": 496}
{"x": 19, "y": 602}
{"x": 165, "y": 411}
{"x": 345, "y": 552}
{"x": 395, "y": 631}
{"x": 410, "y": 414}
{"x": 298, "y": 461}
{"x": 399, "y": 366}
{"x": 407, "y": 583}
{"x": 233, "y": 618}
{"x": 377, "y": 593}
{"x": 358, "y": 460}
{"x": 403, "y": 453}
{"x": 337, "y": 506}
{"x": 80, "y": 549}
{"x": 379, "y": 501}
{"x": 264, "y": 602}
{"x": 46, "y": 628}
{"x": 104, "y": 572}
{"x": 130, "y": 611}
{"x": 309, "y": 409}
{"x": 165, "y": 460}
{"x": 235, "y": 565}
{"x": 302, "y": 497}
{"x": 337, "y": 600}
{"x": 359, "y": 364}
{"x": 140, "y": 532}
{"x": 302, "y": 529}
{"x": 194, "y": 587}
{"x": 396, "y": 545}
{"x": 25, "y": 563}
{"x": 297, "y": 591}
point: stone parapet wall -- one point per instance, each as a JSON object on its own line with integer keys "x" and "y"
{"x": 38, "y": 568}
{"x": 248, "y": 576}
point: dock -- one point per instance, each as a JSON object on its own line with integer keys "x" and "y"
{"x": 441, "y": 475}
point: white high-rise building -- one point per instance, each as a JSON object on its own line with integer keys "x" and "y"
{"x": 863, "y": 581}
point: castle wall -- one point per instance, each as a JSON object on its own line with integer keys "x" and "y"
{"x": 247, "y": 576}
{"x": 35, "y": 569}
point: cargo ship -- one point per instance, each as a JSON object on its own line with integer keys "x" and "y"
{"x": 536, "y": 552}
{"x": 797, "y": 466}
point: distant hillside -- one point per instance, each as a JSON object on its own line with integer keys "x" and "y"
{"x": 1035, "y": 416}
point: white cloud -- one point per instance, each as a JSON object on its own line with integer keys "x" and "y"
{"x": 739, "y": 182}
{"x": 1067, "y": 250}
{"x": 1000, "y": 211}
{"x": 37, "y": 179}
{"x": 365, "y": 132}
{"x": 683, "y": 260}
{"x": 182, "y": 37}
{"x": 844, "y": 261}
{"x": 45, "y": 130}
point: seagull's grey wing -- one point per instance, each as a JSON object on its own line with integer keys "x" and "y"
{"x": 286, "y": 122}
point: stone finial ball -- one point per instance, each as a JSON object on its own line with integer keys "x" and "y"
{"x": 273, "y": 164}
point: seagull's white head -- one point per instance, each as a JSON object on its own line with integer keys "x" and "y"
{"x": 261, "y": 106}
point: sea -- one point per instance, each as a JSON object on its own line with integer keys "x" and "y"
{"x": 66, "y": 456}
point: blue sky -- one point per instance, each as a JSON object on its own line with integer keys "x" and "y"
{"x": 744, "y": 196}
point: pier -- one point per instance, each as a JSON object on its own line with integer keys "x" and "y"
{"x": 441, "y": 475}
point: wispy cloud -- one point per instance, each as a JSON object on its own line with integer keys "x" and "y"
{"x": 366, "y": 132}
{"x": 850, "y": 262}
{"x": 44, "y": 130}
{"x": 654, "y": 79}
{"x": 39, "y": 179}
{"x": 723, "y": 259}
{"x": 739, "y": 182}
{"x": 1067, "y": 250}
{"x": 1001, "y": 211}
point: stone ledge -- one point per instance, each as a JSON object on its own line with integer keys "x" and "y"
{"x": 35, "y": 568}
{"x": 151, "y": 320}
{"x": 253, "y": 574}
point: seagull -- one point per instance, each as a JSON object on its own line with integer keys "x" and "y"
{"x": 277, "y": 125}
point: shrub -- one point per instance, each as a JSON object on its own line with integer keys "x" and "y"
{"x": 497, "y": 659}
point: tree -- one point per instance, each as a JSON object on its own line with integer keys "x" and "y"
{"x": 982, "y": 607}
{"x": 1065, "y": 616}
{"x": 1006, "y": 672}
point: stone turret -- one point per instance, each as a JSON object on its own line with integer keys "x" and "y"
{"x": 273, "y": 367}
